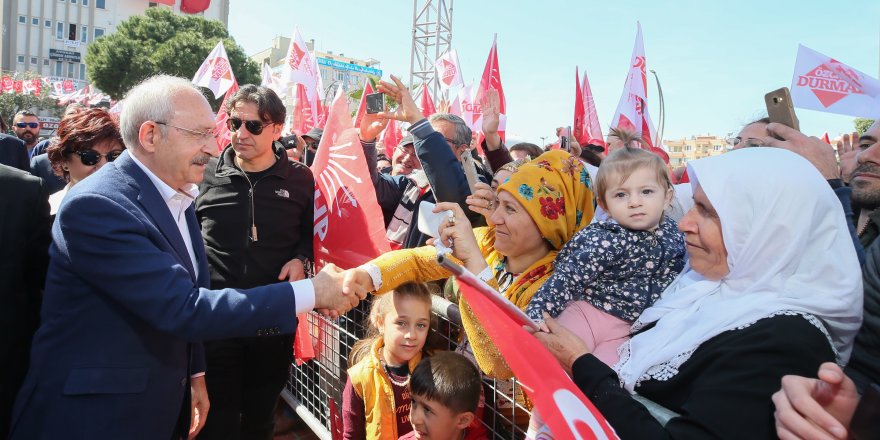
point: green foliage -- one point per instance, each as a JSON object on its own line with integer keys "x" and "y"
{"x": 161, "y": 42}
{"x": 355, "y": 94}
{"x": 862, "y": 124}
{"x": 12, "y": 103}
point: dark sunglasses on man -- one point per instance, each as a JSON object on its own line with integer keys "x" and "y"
{"x": 92, "y": 157}
{"x": 255, "y": 127}
{"x": 27, "y": 124}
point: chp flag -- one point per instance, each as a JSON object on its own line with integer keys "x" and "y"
{"x": 448, "y": 72}
{"x": 827, "y": 85}
{"x": 215, "y": 72}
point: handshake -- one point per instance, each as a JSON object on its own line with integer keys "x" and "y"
{"x": 338, "y": 291}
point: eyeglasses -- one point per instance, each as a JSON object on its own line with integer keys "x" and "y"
{"x": 205, "y": 136}
{"x": 747, "y": 142}
{"x": 411, "y": 151}
{"x": 27, "y": 124}
{"x": 92, "y": 157}
{"x": 255, "y": 127}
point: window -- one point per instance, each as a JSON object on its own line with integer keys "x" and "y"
{"x": 20, "y": 59}
{"x": 34, "y": 61}
{"x": 82, "y": 71}
{"x": 85, "y": 2}
{"x": 98, "y": 33}
{"x": 84, "y": 34}
{"x": 70, "y": 67}
{"x": 48, "y": 24}
{"x": 58, "y": 68}
{"x": 22, "y": 19}
{"x": 71, "y": 33}
{"x": 73, "y": 2}
{"x": 59, "y": 30}
{"x": 46, "y": 63}
{"x": 688, "y": 148}
{"x": 35, "y": 21}
{"x": 340, "y": 75}
{"x": 101, "y": 4}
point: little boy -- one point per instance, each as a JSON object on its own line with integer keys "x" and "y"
{"x": 445, "y": 391}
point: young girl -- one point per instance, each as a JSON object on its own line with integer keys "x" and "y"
{"x": 613, "y": 270}
{"x": 376, "y": 400}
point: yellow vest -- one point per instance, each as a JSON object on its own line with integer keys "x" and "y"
{"x": 372, "y": 384}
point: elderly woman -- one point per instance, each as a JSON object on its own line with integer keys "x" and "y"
{"x": 538, "y": 208}
{"x": 773, "y": 288}
{"x": 86, "y": 141}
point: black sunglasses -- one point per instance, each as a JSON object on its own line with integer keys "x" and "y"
{"x": 27, "y": 124}
{"x": 255, "y": 127}
{"x": 92, "y": 157}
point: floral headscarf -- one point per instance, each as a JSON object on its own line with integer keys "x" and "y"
{"x": 557, "y": 192}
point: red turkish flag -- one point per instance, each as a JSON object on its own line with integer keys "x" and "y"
{"x": 362, "y": 107}
{"x": 579, "y": 129}
{"x": 391, "y": 137}
{"x": 492, "y": 80}
{"x": 224, "y": 136}
{"x": 194, "y": 6}
{"x": 303, "y": 119}
{"x": 427, "y": 102}
{"x": 349, "y": 229}
{"x": 566, "y": 411}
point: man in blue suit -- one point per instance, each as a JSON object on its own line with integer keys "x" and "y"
{"x": 126, "y": 304}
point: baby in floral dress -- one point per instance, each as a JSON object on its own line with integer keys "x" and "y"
{"x": 609, "y": 272}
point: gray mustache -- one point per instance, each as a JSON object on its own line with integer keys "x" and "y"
{"x": 201, "y": 159}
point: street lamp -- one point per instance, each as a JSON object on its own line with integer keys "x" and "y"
{"x": 662, "y": 119}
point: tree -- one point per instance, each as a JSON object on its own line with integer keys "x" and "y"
{"x": 12, "y": 103}
{"x": 161, "y": 42}
{"x": 862, "y": 124}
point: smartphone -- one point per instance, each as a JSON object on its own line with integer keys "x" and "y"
{"x": 375, "y": 103}
{"x": 429, "y": 221}
{"x": 780, "y": 108}
{"x": 468, "y": 164}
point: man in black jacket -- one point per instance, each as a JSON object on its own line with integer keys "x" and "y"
{"x": 255, "y": 207}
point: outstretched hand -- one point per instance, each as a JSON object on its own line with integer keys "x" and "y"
{"x": 847, "y": 151}
{"x": 329, "y": 293}
{"x": 820, "y": 154}
{"x": 407, "y": 110}
{"x": 371, "y": 126}
{"x": 490, "y": 105}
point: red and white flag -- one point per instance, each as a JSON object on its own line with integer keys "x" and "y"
{"x": 592, "y": 127}
{"x": 391, "y": 137}
{"x": 566, "y": 411}
{"x": 827, "y": 85}
{"x": 632, "y": 110}
{"x": 322, "y": 114}
{"x": 271, "y": 82}
{"x": 349, "y": 229}
{"x": 579, "y": 128}
{"x": 215, "y": 72}
{"x": 448, "y": 71}
{"x": 300, "y": 67}
{"x": 7, "y": 84}
{"x": 427, "y": 102}
{"x": 224, "y": 136}
{"x": 362, "y": 106}
{"x": 303, "y": 118}
{"x": 37, "y": 86}
{"x": 67, "y": 86}
{"x": 492, "y": 80}
{"x": 18, "y": 86}
{"x": 468, "y": 109}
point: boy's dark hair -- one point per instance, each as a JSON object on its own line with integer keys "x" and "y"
{"x": 531, "y": 149}
{"x": 448, "y": 378}
{"x": 269, "y": 105}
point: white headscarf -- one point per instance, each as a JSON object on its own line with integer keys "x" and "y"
{"x": 788, "y": 249}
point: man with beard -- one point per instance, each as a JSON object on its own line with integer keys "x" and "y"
{"x": 256, "y": 209}
{"x": 26, "y": 127}
{"x": 126, "y": 304}
{"x": 808, "y": 407}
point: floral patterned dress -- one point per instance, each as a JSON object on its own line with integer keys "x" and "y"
{"x": 618, "y": 270}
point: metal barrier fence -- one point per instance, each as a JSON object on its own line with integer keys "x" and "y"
{"x": 314, "y": 389}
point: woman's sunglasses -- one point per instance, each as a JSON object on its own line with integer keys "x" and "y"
{"x": 92, "y": 157}
{"x": 255, "y": 127}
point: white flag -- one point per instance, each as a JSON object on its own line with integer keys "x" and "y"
{"x": 827, "y": 85}
{"x": 269, "y": 81}
{"x": 448, "y": 71}
{"x": 215, "y": 72}
{"x": 300, "y": 67}
{"x": 632, "y": 110}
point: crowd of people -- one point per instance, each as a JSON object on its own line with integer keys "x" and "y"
{"x": 151, "y": 284}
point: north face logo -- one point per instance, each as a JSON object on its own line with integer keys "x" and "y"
{"x": 827, "y": 85}
{"x": 282, "y": 193}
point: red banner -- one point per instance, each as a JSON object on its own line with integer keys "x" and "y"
{"x": 194, "y": 6}
{"x": 362, "y": 107}
{"x": 224, "y": 136}
{"x": 349, "y": 228}
{"x": 427, "y": 102}
{"x": 579, "y": 129}
{"x": 565, "y": 409}
{"x": 18, "y": 85}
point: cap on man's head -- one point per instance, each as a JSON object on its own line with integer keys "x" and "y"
{"x": 407, "y": 140}
{"x": 314, "y": 134}
{"x": 289, "y": 142}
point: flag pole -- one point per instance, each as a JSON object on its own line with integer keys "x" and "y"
{"x": 662, "y": 121}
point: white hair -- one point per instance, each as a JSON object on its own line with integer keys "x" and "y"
{"x": 151, "y": 100}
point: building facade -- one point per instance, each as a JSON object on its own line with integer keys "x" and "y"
{"x": 50, "y": 37}
{"x": 697, "y": 147}
{"x": 337, "y": 70}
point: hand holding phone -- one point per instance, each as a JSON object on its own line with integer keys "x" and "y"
{"x": 780, "y": 108}
{"x": 375, "y": 103}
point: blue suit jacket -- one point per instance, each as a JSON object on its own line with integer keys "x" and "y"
{"x": 124, "y": 312}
